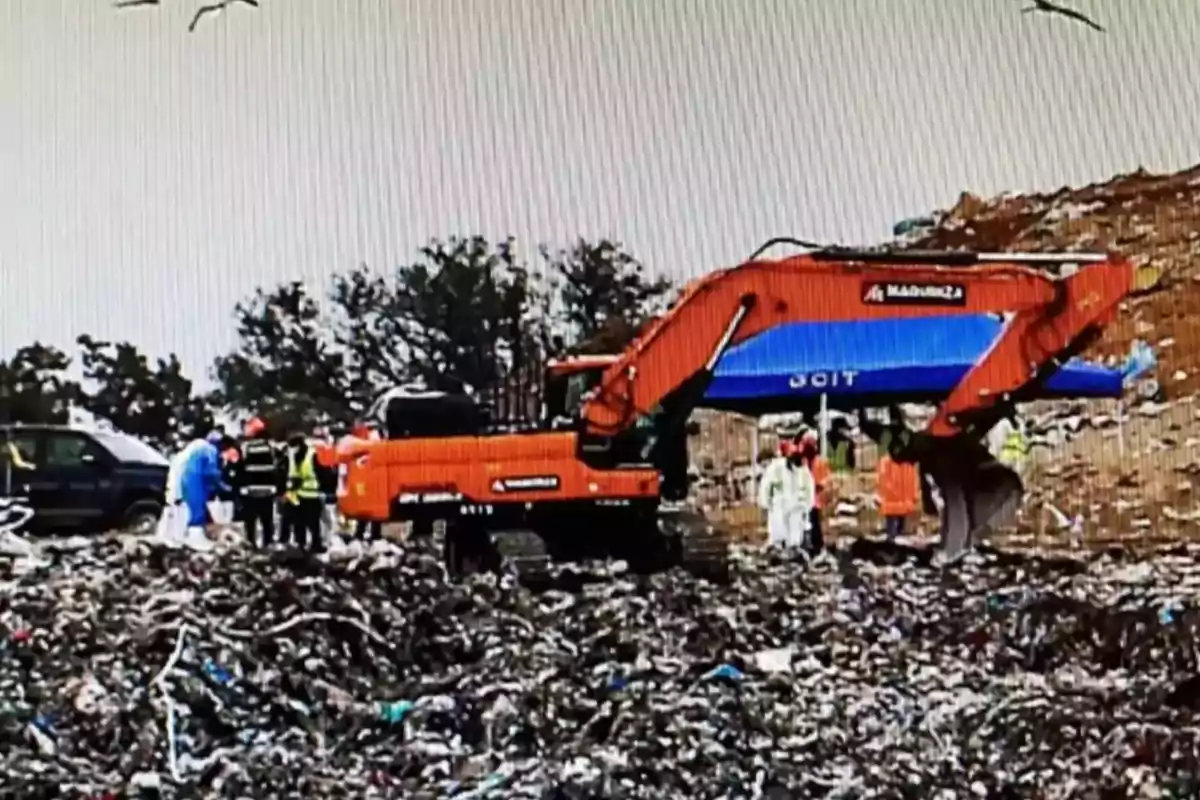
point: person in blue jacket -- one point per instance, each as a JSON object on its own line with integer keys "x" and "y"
{"x": 200, "y": 481}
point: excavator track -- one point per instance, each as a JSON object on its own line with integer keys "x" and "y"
{"x": 471, "y": 549}
{"x": 699, "y": 546}
{"x": 524, "y": 552}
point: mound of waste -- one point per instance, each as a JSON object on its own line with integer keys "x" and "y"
{"x": 130, "y": 669}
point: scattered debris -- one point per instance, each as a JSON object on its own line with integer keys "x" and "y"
{"x": 135, "y": 668}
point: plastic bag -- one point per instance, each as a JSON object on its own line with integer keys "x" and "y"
{"x": 221, "y": 512}
{"x": 329, "y": 521}
{"x": 172, "y": 525}
{"x": 14, "y": 515}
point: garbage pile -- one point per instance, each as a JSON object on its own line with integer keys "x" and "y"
{"x": 129, "y": 669}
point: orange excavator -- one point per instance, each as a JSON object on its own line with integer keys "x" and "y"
{"x": 604, "y": 469}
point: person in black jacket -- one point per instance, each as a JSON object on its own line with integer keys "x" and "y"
{"x": 227, "y": 447}
{"x": 259, "y": 481}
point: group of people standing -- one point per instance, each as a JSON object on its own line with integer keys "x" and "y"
{"x": 793, "y": 490}
{"x": 282, "y": 492}
{"x": 264, "y": 476}
{"x": 796, "y": 485}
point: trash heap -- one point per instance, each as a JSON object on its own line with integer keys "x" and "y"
{"x": 129, "y": 669}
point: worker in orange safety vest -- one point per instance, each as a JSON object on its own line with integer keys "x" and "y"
{"x": 898, "y": 493}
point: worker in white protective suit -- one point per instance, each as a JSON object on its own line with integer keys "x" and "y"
{"x": 787, "y": 493}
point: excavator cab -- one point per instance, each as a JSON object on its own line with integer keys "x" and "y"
{"x": 567, "y": 383}
{"x": 656, "y": 438}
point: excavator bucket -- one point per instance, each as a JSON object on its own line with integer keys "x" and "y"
{"x": 978, "y": 493}
{"x": 977, "y": 498}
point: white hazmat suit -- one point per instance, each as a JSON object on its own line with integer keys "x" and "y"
{"x": 787, "y": 493}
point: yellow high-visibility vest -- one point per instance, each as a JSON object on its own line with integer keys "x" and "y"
{"x": 302, "y": 478}
{"x": 1014, "y": 450}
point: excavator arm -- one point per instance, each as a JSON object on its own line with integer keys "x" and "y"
{"x": 1050, "y": 318}
{"x": 729, "y": 306}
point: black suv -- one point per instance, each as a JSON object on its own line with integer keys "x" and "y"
{"x": 83, "y": 480}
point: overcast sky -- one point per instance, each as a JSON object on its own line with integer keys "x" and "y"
{"x": 150, "y": 178}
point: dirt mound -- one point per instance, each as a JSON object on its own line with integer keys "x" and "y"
{"x": 1131, "y": 476}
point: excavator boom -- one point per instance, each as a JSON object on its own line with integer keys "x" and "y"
{"x": 724, "y": 308}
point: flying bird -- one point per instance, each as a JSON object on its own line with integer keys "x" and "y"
{"x": 214, "y": 8}
{"x": 1047, "y": 7}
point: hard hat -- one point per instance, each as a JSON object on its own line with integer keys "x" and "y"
{"x": 255, "y": 426}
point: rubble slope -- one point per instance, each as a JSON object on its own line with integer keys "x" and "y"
{"x": 1137, "y": 480}
{"x": 1132, "y": 476}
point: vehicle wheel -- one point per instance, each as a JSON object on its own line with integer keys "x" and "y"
{"x": 454, "y": 548}
{"x": 141, "y": 517}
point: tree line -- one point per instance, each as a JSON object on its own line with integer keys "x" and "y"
{"x": 466, "y": 313}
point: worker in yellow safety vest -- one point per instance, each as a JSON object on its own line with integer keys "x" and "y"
{"x": 1015, "y": 451}
{"x": 1008, "y": 444}
{"x": 302, "y": 500}
{"x": 11, "y": 458}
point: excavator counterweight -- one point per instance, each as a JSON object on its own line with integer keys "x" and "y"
{"x": 609, "y": 457}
